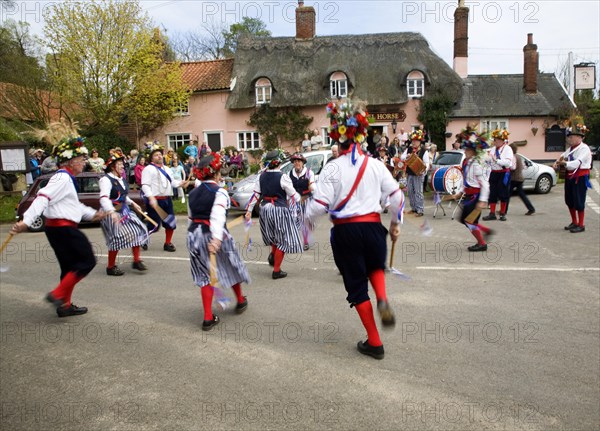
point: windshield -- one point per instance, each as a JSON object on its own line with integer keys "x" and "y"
{"x": 447, "y": 159}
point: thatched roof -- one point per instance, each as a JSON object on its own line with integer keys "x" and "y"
{"x": 376, "y": 65}
{"x": 504, "y": 96}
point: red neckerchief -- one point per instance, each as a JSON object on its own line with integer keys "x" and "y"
{"x": 349, "y": 150}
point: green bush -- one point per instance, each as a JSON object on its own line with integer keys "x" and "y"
{"x": 105, "y": 142}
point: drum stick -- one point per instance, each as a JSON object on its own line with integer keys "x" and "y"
{"x": 6, "y": 241}
{"x": 149, "y": 219}
{"x": 213, "y": 270}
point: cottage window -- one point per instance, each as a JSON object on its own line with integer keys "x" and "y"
{"x": 183, "y": 108}
{"x": 415, "y": 84}
{"x": 179, "y": 140}
{"x": 490, "y": 124}
{"x": 248, "y": 140}
{"x": 263, "y": 91}
{"x": 338, "y": 85}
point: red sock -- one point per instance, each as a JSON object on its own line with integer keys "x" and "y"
{"x": 65, "y": 287}
{"x": 278, "y": 255}
{"x": 365, "y": 312}
{"x": 207, "y": 297}
{"x": 136, "y": 253}
{"x": 168, "y": 235}
{"x": 237, "y": 289}
{"x": 478, "y": 236}
{"x": 503, "y": 207}
{"x": 377, "y": 279}
{"x": 492, "y": 208}
{"x": 112, "y": 258}
{"x": 573, "y": 215}
{"x": 484, "y": 229}
{"x": 581, "y": 217}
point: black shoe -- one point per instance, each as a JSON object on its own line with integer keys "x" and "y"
{"x": 241, "y": 307}
{"x": 114, "y": 271}
{"x": 207, "y": 325}
{"x": 478, "y": 247}
{"x": 271, "y": 259}
{"x": 530, "y": 212}
{"x": 144, "y": 247}
{"x": 54, "y": 301}
{"x": 490, "y": 216}
{"x": 386, "y": 313}
{"x": 71, "y": 310}
{"x": 419, "y": 215}
{"x": 169, "y": 247}
{"x": 571, "y": 226}
{"x": 502, "y": 217}
{"x": 577, "y": 229}
{"x": 366, "y": 349}
{"x": 306, "y": 247}
{"x": 140, "y": 266}
{"x": 280, "y": 274}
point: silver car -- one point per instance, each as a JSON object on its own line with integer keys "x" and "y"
{"x": 241, "y": 192}
{"x": 538, "y": 177}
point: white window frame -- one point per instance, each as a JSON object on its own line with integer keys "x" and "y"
{"x": 182, "y": 109}
{"x": 491, "y": 124}
{"x": 263, "y": 91}
{"x": 248, "y": 140}
{"x": 338, "y": 88}
{"x": 176, "y": 140}
{"x": 415, "y": 84}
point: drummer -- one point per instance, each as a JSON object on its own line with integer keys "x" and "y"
{"x": 415, "y": 181}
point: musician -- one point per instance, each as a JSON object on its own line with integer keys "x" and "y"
{"x": 416, "y": 177}
{"x": 208, "y": 205}
{"x": 303, "y": 180}
{"x": 501, "y": 160}
{"x": 477, "y": 189}
{"x": 277, "y": 223}
{"x": 358, "y": 239}
{"x": 578, "y": 162}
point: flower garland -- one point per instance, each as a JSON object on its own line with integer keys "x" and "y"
{"x": 69, "y": 148}
{"x": 500, "y": 134}
{"x": 348, "y": 122}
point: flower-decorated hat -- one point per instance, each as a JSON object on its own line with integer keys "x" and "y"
{"x": 208, "y": 167}
{"x": 348, "y": 121}
{"x": 417, "y": 135}
{"x": 69, "y": 148}
{"x": 273, "y": 158}
{"x": 471, "y": 139}
{"x": 152, "y": 147}
{"x": 500, "y": 134}
{"x": 117, "y": 155}
{"x": 579, "y": 129}
{"x": 298, "y": 156}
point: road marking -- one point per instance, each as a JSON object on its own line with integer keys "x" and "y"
{"x": 125, "y": 256}
{"x": 502, "y": 268}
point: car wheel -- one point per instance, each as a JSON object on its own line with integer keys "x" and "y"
{"x": 38, "y": 224}
{"x": 543, "y": 184}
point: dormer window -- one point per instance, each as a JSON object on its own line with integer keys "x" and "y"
{"x": 263, "y": 91}
{"x": 338, "y": 85}
{"x": 415, "y": 84}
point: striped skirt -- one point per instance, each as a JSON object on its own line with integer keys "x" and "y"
{"x": 131, "y": 232}
{"x": 230, "y": 266}
{"x": 279, "y": 226}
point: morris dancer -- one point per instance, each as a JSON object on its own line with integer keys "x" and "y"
{"x": 59, "y": 203}
{"x": 414, "y": 181}
{"x": 501, "y": 161}
{"x": 208, "y": 205}
{"x": 303, "y": 180}
{"x": 122, "y": 229}
{"x": 578, "y": 162}
{"x": 477, "y": 188}
{"x": 277, "y": 225}
{"x": 157, "y": 187}
{"x": 358, "y": 239}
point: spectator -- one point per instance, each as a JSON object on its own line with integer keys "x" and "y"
{"x": 178, "y": 174}
{"x": 402, "y": 137}
{"x": 306, "y": 143}
{"x": 169, "y": 157}
{"x": 316, "y": 140}
{"x": 96, "y": 163}
{"x": 192, "y": 150}
{"x": 236, "y": 163}
{"x": 49, "y": 165}
{"x": 139, "y": 167}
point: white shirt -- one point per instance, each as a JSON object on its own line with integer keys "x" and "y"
{"x": 476, "y": 176}
{"x": 505, "y": 159}
{"x": 338, "y": 177}
{"x": 285, "y": 182}
{"x": 310, "y": 177}
{"x": 581, "y": 155}
{"x": 105, "y": 184}
{"x": 58, "y": 200}
{"x": 316, "y": 141}
{"x": 155, "y": 183}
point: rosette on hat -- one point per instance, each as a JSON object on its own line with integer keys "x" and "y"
{"x": 469, "y": 138}
{"x": 298, "y": 156}
{"x": 208, "y": 167}
{"x": 500, "y": 134}
{"x": 348, "y": 121}
{"x": 69, "y": 148}
{"x": 417, "y": 135}
{"x": 273, "y": 158}
{"x": 117, "y": 155}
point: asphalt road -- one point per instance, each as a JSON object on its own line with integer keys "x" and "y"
{"x": 507, "y": 339}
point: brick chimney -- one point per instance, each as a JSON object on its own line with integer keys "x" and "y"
{"x": 461, "y": 39}
{"x": 531, "y": 61}
{"x": 305, "y": 21}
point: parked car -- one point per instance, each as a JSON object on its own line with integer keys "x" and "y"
{"x": 89, "y": 194}
{"x": 595, "y": 152}
{"x": 538, "y": 177}
{"x": 241, "y": 192}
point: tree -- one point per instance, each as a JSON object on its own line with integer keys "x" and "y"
{"x": 248, "y": 26}
{"x": 279, "y": 124}
{"x": 433, "y": 113}
{"x": 102, "y": 51}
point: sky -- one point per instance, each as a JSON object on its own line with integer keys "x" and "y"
{"x": 497, "y": 29}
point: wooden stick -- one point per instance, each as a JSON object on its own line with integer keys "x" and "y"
{"x": 235, "y": 222}
{"x": 392, "y": 254}
{"x": 161, "y": 213}
{"x": 472, "y": 216}
{"x": 143, "y": 214}
{"x": 213, "y": 270}
{"x": 6, "y": 241}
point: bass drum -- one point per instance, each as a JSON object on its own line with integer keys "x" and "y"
{"x": 448, "y": 179}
